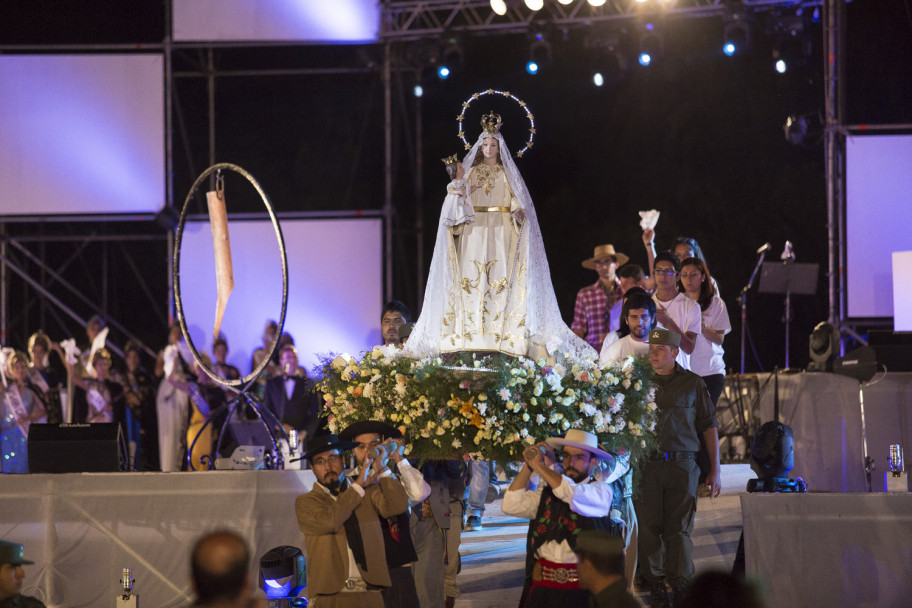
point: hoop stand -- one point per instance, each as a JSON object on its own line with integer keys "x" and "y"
{"x": 245, "y": 383}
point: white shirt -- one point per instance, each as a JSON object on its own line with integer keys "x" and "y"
{"x": 416, "y": 488}
{"x": 706, "y": 360}
{"x": 685, "y": 313}
{"x": 618, "y": 350}
{"x": 588, "y": 498}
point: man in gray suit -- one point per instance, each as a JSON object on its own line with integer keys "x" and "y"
{"x": 339, "y": 519}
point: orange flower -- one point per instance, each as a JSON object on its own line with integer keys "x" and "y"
{"x": 357, "y": 391}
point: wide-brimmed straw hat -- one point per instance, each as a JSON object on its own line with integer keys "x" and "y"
{"x": 604, "y": 251}
{"x": 580, "y": 439}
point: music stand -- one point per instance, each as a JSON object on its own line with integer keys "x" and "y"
{"x": 788, "y": 278}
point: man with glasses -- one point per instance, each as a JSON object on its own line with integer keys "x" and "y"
{"x": 565, "y": 502}
{"x": 667, "y": 499}
{"x": 674, "y": 310}
{"x": 598, "y": 306}
{"x": 340, "y": 521}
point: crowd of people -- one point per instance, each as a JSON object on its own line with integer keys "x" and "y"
{"x": 163, "y": 414}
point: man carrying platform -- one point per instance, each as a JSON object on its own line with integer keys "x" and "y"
{"x": 341, "y": 526}
{"x": 562, "y": 506}
{"x": 397, "y": 539}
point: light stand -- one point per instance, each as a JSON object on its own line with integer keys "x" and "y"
{"x": 743, "y": 300}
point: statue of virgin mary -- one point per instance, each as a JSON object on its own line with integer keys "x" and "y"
{"x": 489, "y": 287}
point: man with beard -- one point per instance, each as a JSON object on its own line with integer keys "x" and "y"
{"x": 341, "y": 526}
{"x": 397, "y": 539}
{"x": 667, "y": 500}
{"x": 562, "y": 506}
{"x": 639, "y": 313}
{"x": 394, "y": 315}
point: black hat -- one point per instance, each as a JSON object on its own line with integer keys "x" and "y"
{"x": 325, "y": 443}
{"x": 369, "y": 426}
{"x": 12, "y": 553}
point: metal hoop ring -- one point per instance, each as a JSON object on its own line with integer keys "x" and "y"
{"x": 522, "y": 104}
{"x": 178, "y": 302}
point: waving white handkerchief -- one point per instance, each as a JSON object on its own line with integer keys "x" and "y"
{"x": 649, "y": 219}
{"x": 70, "y": 351}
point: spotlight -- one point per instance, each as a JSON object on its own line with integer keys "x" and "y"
{"x": 283, "y": 573}
{"x": 499, "y": 7}
{"x": 539, "y": 53}
{"x": 535, "y": 5}
{"x": 781, "y": 66}
{"x": 596, "y": 2}
{"x": 651, "y": 46}
{"x": 451, "y": 57}
{"x": 772, "y": 457}
{"x": 791, "y": 51}
{"x": 736, "y": 36}
{"x": 823, "y": 340}
{"x": 607, "y": 64}
{"x": 419, "y": 90}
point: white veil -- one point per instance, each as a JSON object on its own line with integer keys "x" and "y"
{"x": 543, "y": 318}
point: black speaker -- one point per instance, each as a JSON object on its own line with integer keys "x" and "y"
{"x": 75, "y": 448}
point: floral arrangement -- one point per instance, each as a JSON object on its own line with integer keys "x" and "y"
{"x": 492, "y": 406}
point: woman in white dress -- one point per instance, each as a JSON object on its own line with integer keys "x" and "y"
{"x": 489, "y": 287}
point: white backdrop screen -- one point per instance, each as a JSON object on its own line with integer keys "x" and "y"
{"x": 333, "y": 21}
{"x": 81, "y": 134}
{"x": 335, "y": 292}
{"x": 878, "y": 218}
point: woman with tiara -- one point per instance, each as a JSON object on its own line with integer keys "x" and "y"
{"x": 489, "y": 287}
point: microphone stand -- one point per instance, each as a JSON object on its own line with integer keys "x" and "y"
{"x": 743, "y": 299}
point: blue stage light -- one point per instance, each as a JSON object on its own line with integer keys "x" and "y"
{"x": 443, "y": 72}
{"x": 532, "y": 67}
{"x": 728, "y": 48}
{"x": 644, "y": 58}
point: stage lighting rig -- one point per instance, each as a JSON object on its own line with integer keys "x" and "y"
{"x": 823, "y": 346}
{"x": 283, "y": 575}
{"x": 539, "y": 51}
{"x": 607, "y": 62}
{"x": 652, "y": 45}
{"x": 736, "y": 35}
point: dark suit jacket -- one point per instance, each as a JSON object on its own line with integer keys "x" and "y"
{"x": 302, "y": 411}
{"x": 322, "y": 520}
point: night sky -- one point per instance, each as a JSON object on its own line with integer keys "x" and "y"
{"x": 696, "y": 135}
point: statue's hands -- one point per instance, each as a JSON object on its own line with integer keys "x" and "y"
{"x": 460, "y": 171}
{"x": 519, "y": 215}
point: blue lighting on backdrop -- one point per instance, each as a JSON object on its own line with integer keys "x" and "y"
{"x": 729, "y": 48}
{"x": 532, "y": 67}
{"x": 443, "y": 72}
{"x": 644, "y": 59}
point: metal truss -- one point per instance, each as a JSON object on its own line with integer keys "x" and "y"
{"x": 405, "y": 20}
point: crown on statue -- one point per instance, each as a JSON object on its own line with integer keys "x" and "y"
{"x": 490, "y": 123}
{"x": 449, "y": 160}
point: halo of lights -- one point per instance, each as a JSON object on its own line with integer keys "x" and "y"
{"x": 522, "y": 104}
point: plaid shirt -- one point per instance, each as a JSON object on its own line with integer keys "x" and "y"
{"x": 592, "y": 313}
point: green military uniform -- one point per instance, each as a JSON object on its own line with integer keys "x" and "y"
{"x": 668, "y": 494}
